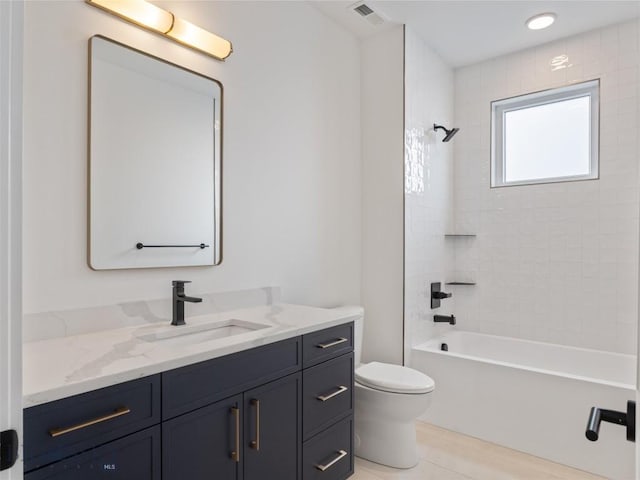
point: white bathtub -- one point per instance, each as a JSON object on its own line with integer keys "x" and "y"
{"x": 531, "y": 396}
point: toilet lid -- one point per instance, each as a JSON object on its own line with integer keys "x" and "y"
{"x": 393, "y": 378}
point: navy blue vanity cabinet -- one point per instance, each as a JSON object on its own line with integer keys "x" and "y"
{"x": 254, "y": 433}
{"x": 323, "y": 345}
{"x": 188, "y": 388}
{"x": 60, "y": 429}
{"x": 283, "y": 418}
{"x": 281, "y": 411}
{"x": 254, "y": 436}
{"x": 273, "y": 430}
{"x": 328, "y": 404}
{"x": 329, "y": 455}
{"x": 204, "y": 444}
{"x": 136, "y": 456}
{"x": 328, "y": 394}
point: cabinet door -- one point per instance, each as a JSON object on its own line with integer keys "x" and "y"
{"x": 204, "y": 444}
{"x": 273, "y": 430}
{"x": 136, "y": 456}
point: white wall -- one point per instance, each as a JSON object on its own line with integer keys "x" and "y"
{"x": 429, "y": 257}
{"x": 382, "y": 198}
{"x": 291, "y": 159}
{"x": 556, "y": 262}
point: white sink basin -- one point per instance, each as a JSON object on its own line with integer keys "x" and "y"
{"x": 193, "y": 334}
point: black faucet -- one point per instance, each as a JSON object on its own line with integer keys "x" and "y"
{"x": 178, "y": 301}
{"x": 450, "y": 319}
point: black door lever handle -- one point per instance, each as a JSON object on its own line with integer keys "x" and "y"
{"x": 599, "y": 415}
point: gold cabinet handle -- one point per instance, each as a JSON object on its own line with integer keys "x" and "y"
{"x": 324, "y": 398}
{"x": 341, "y": 455}
{"x": 332, "y": 344}
{"x": 255, "y": 444}
{"x": 118, "y": 412}
{"x": 235, "y": 455}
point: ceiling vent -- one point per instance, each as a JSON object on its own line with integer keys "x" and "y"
{"x": 365, "y": 11}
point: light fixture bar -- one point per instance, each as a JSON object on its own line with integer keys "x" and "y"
{"x": 200, "y": 39}
{"x": 158, "y": 20}
{"x": 139, "y": 12}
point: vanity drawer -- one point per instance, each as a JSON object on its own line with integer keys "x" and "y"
{"x": 62, "y": 428}
{"x": 320, "y": 346}
{"x": 329, "y": 455}
{"x": 327, "y": 393}
{"x": 188, "y": 388}
{"x": 136, "y": 456}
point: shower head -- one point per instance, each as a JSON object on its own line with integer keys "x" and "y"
{"x": 449, "y": 133}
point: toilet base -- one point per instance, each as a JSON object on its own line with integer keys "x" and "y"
{"x": 389, "y": 443}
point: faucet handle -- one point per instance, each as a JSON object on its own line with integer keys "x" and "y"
{"x": 437, "y": 294}
{"x": 179, "y": 283}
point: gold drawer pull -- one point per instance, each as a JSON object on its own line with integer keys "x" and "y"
{"x": 255, "y": 444}
{"x": 324, "y": 398}
{"x": 235, "y": 455}
{"x": 118, "y": 412}
{"x": 341, "y": 455}
{"x": 332, "y": 344}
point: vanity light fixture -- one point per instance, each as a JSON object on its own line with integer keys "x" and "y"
{"x": 540, "y": 21}
{"x": 156, "y": 19}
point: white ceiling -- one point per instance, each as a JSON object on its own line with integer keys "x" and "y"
{"x": 468, "y": 31}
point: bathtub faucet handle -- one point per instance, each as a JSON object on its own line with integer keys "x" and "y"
{"x": 437, "y": 294}
{"x": 441, "y": 295}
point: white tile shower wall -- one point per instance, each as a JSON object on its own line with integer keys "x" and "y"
{"x": 429, "y": 257}
{"x": 556, "y": 262}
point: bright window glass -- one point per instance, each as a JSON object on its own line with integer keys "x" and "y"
{"x": 546, "y": 137}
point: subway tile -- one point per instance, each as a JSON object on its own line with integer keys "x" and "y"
{"x": 576, "y": 238}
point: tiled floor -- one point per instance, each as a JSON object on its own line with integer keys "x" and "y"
{"x": 445, "y": 455}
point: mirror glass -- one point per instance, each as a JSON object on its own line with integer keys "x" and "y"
{"x": 154, "y": 161}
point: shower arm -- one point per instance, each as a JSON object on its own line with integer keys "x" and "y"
{"x": 450, "y": 132}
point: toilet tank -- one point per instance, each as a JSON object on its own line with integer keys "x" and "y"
{"x": 357, "y": 313}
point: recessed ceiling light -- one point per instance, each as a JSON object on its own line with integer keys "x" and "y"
{"x": 543, "y": 20}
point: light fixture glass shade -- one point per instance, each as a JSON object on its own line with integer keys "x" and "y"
{"x": 543, "y": 20}
{"x": 200, "y": 39}
{"x": 139, "y": 12}
{"x": 154, "y": 18}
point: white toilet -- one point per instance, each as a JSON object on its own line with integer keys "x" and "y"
{"x": 388, "y": 399}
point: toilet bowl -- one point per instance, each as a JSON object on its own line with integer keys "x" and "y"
{"x": 388, "y": 400}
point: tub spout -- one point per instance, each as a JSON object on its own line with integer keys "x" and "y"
{"x": 450, "y": 319}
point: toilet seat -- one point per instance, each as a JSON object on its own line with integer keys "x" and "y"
{"x": 393, "y": 378}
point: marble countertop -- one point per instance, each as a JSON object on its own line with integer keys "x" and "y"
{"x": 60, "y": 367}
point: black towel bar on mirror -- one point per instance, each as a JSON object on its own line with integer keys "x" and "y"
{"x": 141, "y": 245}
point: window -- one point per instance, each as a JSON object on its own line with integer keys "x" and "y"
{"x": 545, "y": 137}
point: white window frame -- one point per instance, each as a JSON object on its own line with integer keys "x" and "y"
{"x": 499, "y": 109}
